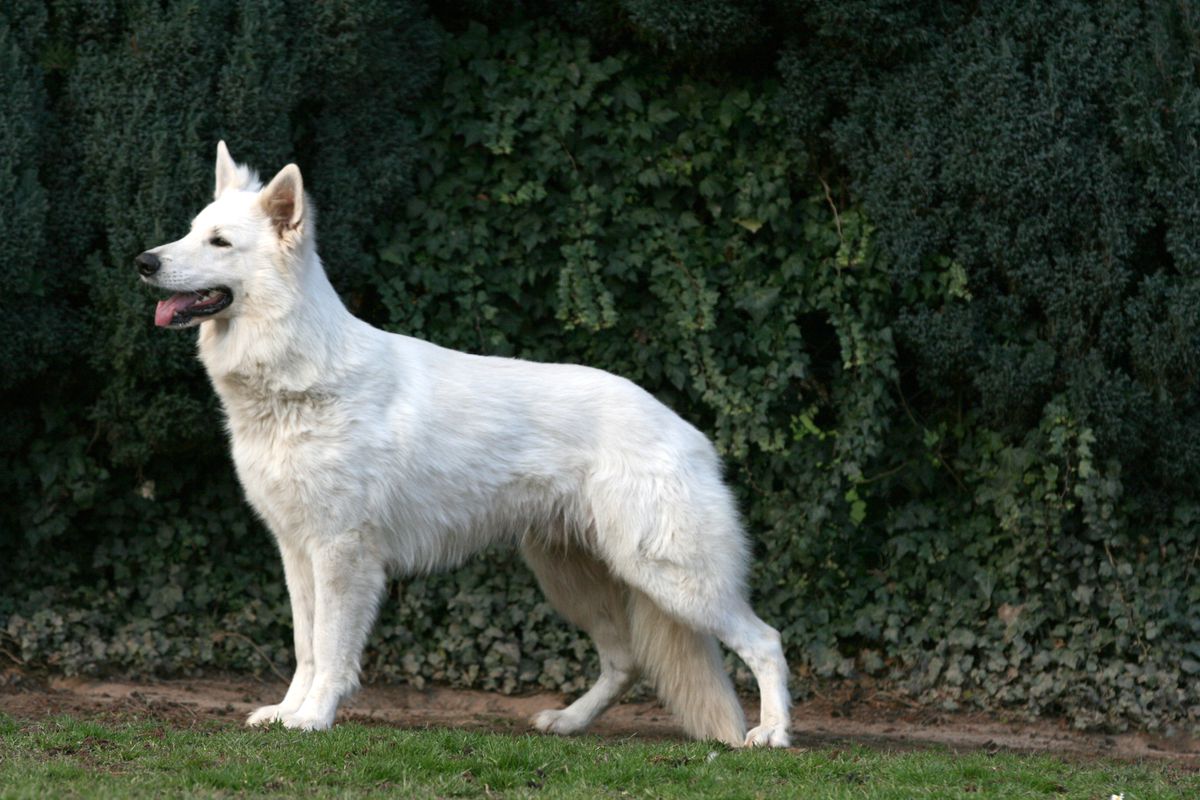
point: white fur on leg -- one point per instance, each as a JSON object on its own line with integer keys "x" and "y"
{"x": 558, "y": 720}
{"x": 291, "y": 702}
{"x": 759, "y": 646}
{"x": 614, "y": 681}
{"x": 768, "y": 736}
{"x": 584, "y": 591}
{"x": 265, "y": 715}
{"x": 298, "y": 571}
{"x": 317, "y": 712}
{"x": 348, "y": 580}
{"x": 687, "y": 671}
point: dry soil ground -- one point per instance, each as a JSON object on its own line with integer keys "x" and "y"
{"x": 849, "y": 716}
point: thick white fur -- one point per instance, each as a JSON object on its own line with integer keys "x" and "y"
{"x": 366, "y": 451}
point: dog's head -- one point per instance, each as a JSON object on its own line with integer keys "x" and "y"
{"x": 245, "y": 245}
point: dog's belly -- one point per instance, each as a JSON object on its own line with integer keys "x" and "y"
{"x": 432, "y": 525}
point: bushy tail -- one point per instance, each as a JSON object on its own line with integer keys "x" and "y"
{"x": 687, "y": 671}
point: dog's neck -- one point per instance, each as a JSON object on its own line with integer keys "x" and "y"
{"x": 292, "y": 348}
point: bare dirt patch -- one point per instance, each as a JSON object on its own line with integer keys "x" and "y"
{"x": 850, "y": 717}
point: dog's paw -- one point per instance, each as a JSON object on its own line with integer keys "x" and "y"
{"x": 556, "y": 720}
{"x": 767, "y": 736}
{"x": 265, "y": 716}
{"x": 307, "y": 722}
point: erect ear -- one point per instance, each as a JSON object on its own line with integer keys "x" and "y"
{"x": 228, "y": 174}
{"x": 283, "y": 199}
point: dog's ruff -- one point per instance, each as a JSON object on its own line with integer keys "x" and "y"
{"x": 366, "y": 451}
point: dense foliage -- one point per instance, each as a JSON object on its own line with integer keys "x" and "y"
{"x": 1049, "y": 151}
{"x": 125, "y": 539}
{"x": 927, "y": 273}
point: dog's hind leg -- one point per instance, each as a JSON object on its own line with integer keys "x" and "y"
{"x": 680, "y": 545}
{"x": 696, "y": 600}
{"x": 583, "y": 590}
{"x": 349, "y": 579}
{"x": 298, "y": 572}
{"x": 759, "y": 645}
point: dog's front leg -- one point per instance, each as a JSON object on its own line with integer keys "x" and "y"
{"x": 298, "y": 572}
{"x": 349, "y": 579}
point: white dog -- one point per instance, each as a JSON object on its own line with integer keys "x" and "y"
{"x": 366, "y": 451}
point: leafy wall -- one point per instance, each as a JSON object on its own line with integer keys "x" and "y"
{"x": 925, "y": 272}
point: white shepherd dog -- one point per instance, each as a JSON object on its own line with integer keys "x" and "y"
{"x": 366, "y": 451}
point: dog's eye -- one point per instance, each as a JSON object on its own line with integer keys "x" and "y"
{"x": 218, "y": 241}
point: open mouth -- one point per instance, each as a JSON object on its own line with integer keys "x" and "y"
{"x": 182, "y": 309}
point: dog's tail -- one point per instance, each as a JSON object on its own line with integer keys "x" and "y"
{"x": 687, "y": 671}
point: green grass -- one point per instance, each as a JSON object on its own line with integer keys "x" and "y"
{"x": 64, "y": 757}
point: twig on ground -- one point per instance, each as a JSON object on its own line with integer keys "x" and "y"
{"x": 219, "y": 635}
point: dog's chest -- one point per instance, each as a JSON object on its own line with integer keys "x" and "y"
{"x": 292, "y": 450}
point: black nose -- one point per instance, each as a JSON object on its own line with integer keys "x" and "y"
{"x": 147, "y": 264}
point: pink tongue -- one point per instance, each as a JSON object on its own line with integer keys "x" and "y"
{"x": 167, "y": 309}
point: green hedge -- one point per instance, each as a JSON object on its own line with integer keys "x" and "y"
{"x": 125, "y": 540}
{"x": 1049, "y": 151}
{"x": 588, "y": 202}
{"x": 924, "y": 272}
{"x": 586, "y": 208}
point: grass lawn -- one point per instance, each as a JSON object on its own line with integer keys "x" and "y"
{"x": 65, "y": 757}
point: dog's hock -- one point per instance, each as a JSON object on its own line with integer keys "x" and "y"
{"x": 283, "y": 199}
